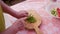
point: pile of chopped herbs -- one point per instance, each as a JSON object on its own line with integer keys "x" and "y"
{"x": 31, "y": 19}
{"x": 54, "y": 12}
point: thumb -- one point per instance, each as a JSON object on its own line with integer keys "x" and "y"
{"x": 23, "y": 18}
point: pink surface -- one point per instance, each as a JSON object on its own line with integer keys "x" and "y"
{"x": 49, "y": 24}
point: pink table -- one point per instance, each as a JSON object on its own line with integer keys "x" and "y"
{"x": 49, "y": 24}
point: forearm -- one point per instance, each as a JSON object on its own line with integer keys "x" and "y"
{"x": 8, "y": 10}
{"x": 17, "y": 26}
{"x": 12, "y": 12}
{"x": 11, "y": 30}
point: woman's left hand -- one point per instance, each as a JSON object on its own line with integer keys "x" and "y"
{"x": 17, "y": 26}
{"x": 20, "y": 23}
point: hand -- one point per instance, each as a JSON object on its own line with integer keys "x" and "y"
{"x": 20, "y": 23}
{"x": 17, "y": 26}
{"x": 22, "y": 14}
{"x": 12, "y": 12}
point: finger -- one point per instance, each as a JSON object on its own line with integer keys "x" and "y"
{"x": 21, "y": 19}
{"x": 20, "y": 24}
{"x": 24, "y": 18}
{"x": 24, "y": 13}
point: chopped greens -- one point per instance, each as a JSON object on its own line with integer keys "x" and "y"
{"x": 31, "y": 19}
{"x": 54, "y": 12}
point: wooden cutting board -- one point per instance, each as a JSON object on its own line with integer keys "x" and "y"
{"x": 36, "y": 24}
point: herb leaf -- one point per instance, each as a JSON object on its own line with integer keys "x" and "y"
{"x": 31, "y": 19}
{"x": 54, "y": 12}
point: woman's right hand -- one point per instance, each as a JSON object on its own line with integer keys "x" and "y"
{"x": 7, "y": 9}
{"x": 22, "y": 14}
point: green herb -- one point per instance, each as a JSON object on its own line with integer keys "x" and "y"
{"x": 54, "y": 12}
{"x": 31, "y": 19}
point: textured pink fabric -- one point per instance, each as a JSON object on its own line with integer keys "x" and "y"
{"x": 49, "y": 24}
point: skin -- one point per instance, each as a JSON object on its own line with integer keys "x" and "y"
{"x": 12, "y": 12}
{"x": 17, "y": 25}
